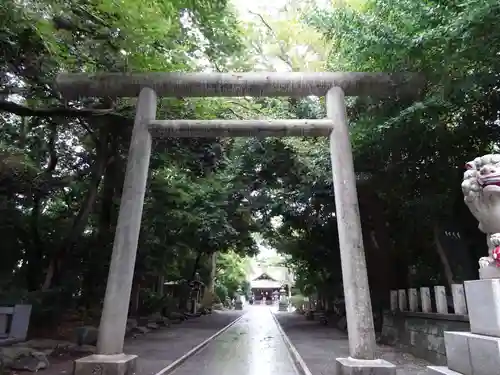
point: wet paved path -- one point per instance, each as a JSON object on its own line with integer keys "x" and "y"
{"x": 253, "y": 346}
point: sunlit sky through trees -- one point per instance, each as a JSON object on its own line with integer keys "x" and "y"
{"x": 269, "y": 9}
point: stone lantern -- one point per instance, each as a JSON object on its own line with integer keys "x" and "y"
{"x": 238, "y": 304}
{"x": 276, "y": 295}
{"x": 283, "y": 303}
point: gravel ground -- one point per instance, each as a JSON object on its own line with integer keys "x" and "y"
{"x": 319, "y": 346}
{"x": 159, "y": 348}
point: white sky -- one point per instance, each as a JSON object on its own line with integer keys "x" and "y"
{"x": 265, "y": 7}
{"x": 273, "y": 9}
{"x": 269, "y": 6}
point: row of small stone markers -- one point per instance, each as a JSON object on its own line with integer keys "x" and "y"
{"x": 419, "y": 300}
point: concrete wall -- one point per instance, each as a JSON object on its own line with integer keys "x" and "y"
{"x": 421, "y": 334}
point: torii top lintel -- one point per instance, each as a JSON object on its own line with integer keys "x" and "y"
{"x": 257, "y": 84}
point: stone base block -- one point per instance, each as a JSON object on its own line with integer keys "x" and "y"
{"x": 490, "y": 272}
{"x": 282, "y": 307}
{"x": 472, "y": 354}
{"x": 483, "y": 302}
{"x": 352, "y": 366}
{"x": 441, "y": 370}
{"x": 457, "y": 352}
{"x": 100, "y": 364}
{"x": 238, "y": 306}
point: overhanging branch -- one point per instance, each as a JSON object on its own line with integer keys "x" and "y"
{"x": 283, "y": 56}
{"x": 21, "y": 110}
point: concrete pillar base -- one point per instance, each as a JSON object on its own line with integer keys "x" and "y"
{"x": 352, "y": 366}
{"x": 282, "y": 307}
{"x": 238, "y": 306}
{"x": 101, "y": 364}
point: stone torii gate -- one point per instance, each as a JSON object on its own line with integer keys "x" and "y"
{"x": 147, "y": 86}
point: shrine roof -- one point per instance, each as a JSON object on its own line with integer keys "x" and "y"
{"x": 265, "y": 284}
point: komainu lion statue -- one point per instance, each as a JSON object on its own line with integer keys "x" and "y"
{"x": 481, "y": 189}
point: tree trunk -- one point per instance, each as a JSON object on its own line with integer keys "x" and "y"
{"x": 161, "y": 285}
{"x": 213, "y": 272}
{"x": 209, "y": 291}
{"x": 35, "y": 253}
{"x": 448, "y": 273}
{"x": 94, "y": 277}
{"x": 53, "y": 276}
{"x": 134, "y": 299}
{"x": 196, "y": 266}
{"x": 378, "y": 247}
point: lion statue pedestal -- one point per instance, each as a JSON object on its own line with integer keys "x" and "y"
{"x": 477, "y": 352}
{"x": 481, "y": 188}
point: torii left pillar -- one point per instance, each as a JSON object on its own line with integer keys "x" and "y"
{"x": 110, "y": 359}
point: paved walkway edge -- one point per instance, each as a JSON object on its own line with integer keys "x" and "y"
{"x": 299, "y": 363}
{"x": 179, "y": 361}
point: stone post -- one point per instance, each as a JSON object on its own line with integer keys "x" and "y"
{"x": 394, "y": 300}
{"x": 354, "y": 274}
{"x": 425, "y": 296}
{"x": 441, "y": 300}
{"x": 402, "y": 300}
{"x": 413, "y": 299}
{"x": 238, "y": 303}
{"x": 213, "y": 272}
{"x": 121, "y": 270}
{"x": 459, "y": 303}
{"x": 282, "y": 302}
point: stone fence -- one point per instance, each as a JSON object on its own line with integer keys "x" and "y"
{"x": 418, "y": 318}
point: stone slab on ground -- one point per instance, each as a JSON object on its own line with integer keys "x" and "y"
{"x": 320, "y": 345}
{"x": 351, "y": 366}
{"x": 441, "y": 370}
{"x": 161, "y": 347}
{"x": 118, "y": 364}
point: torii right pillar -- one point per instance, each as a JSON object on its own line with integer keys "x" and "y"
{"x": 360, "y": 327}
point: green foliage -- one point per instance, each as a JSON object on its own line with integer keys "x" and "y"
{"x": 408, "y": 153}
{"x": 297, "y": 301}
{"x": 221, "y": 292}
{"x": 230, "y": 275}
{"x": 154, "y": 302}
{"x": 62, "y": 168}
{"x": 417, "y": 149}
